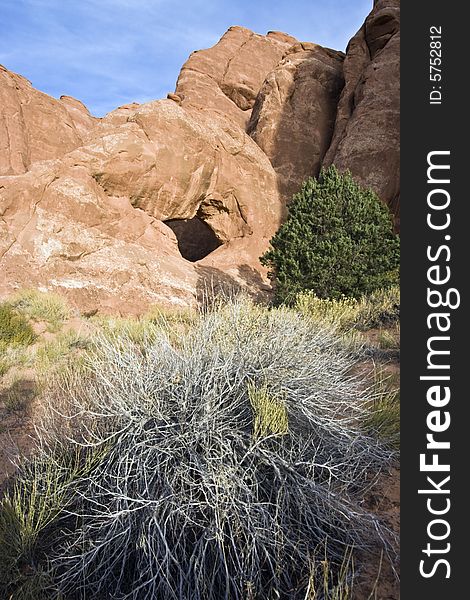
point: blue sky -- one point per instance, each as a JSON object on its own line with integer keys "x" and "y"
{"x": 111, "y": 52}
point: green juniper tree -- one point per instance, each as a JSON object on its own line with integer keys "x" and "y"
{"x": 338, "y": 240}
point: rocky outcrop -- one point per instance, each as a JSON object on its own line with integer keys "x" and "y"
{"x": 294, "y": 114}
{"x": 60, "y": 231}
{"x": 366, "y": 138}
{"x": 80, "y": 116}
{"x": 92, "y": 224}
{"x": 227, "y": 77}
{"x": 302, "y": 122}
{"x": 175, "y": 163}
{"x": 34, "y": 126}
{"x": 156, "y": 202}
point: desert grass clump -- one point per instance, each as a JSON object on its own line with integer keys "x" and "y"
{"x": 383, "y": 419}
{"x": 184, "y": 317}
{"x": 135, "y": 329}
{"x": 42, "y": 306}
{"x": 141, "y": 330}
{"x": 55, "y": 356}
{"x": 389, "y": 339}
{"x": 31, "y": 517}
{"x": 341, "y": 313}
{"x": 27, "y": 511}
{"x": 269, "y": 412}
{"x": 231, "y": 456}
{"x": 381, "y": 308}
{"x": 15, "y": 330}
{"x": 378, "y": 309}
{"x": 331, "y": 582}
{"x": 15, "y": 357}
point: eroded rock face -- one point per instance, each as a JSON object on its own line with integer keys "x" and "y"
{"x": 366, "y": 138}
{"x": 61, "y": 231}
{"x": 175, "y": 163}
{"x": 294, "y": 114}
{"x": 91, "y": 223}
{"x": 227, "y": 77}
{"x": 160, "y": 202}
{"x": 80, "y": 115}
{"x": 34, "y": 126}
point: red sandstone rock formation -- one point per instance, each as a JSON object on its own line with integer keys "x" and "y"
{"x": 366, "y": 138}
{"x": 294, "y": 114}
{"x": 92, "y": 223}
{"x": 155, "y": 202}
{"x": 34, "y": 126}
{"x": 227, "y": 77}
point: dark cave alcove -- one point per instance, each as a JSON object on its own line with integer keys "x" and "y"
{"x": 195, "y": 238}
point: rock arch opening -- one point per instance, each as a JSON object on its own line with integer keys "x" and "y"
{"x": 195, "y": 238}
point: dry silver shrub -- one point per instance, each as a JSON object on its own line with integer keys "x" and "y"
{"x": 186, "y": 502}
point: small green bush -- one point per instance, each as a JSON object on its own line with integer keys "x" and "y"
{"x": 15, "y": 329}
{"x": 341, "y": 313}
{"x": 42, "y": 306}
{"x": 338, "y": 240}
{"x": 378, "y": 309}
